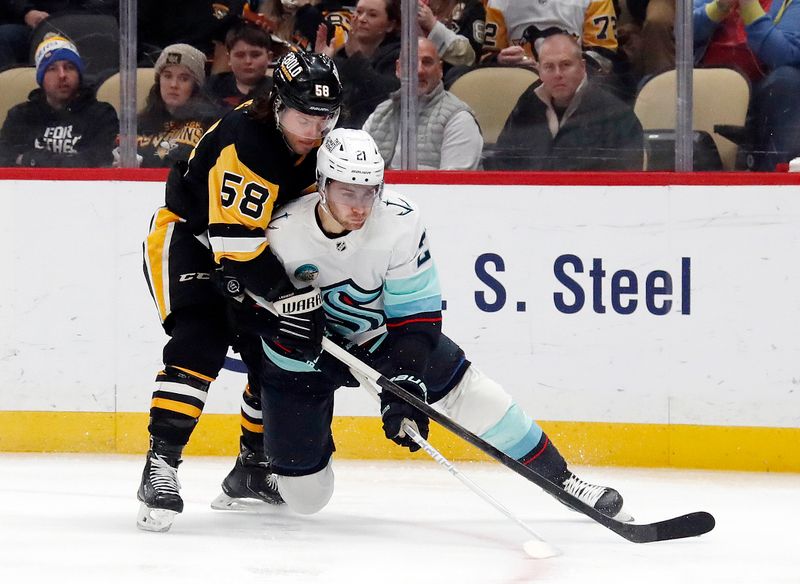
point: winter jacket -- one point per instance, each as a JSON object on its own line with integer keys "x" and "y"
{"x": 83, "y": 134}
{"x": 596, "y": 132}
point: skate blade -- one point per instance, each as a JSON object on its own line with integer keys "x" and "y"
{"x": 224, "y": 502}
{"x": 158, "y": 520}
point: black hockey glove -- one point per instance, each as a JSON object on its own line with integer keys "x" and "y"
{"x": 335, "y": 371}
{"x": 395, "y": 411}
{"x": 301, "y": 323}
{"x": 229, "y": 285}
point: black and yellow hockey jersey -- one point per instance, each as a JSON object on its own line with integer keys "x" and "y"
{"x": 594, "y": 22}
{"x": 237, "y": 174}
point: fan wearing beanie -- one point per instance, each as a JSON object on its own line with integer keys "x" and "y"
{"x": 178, "y": 111}
{"x": 61, "y": 124}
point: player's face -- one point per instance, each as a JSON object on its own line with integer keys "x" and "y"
{"x": 350, "y": 205}
{"x": 303, "y": 131}
{"x": 561, "y": 68}
{"x": 60, "y": 83}
{"x": 176, "y": 85}
{"x": 371, "y": 22}
{"x": 248, "y": 62}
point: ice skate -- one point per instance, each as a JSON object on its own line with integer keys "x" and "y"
{"x": 250, "y": 485}
{"x": 159, "y": 491}
{"x": 606, "y": 500}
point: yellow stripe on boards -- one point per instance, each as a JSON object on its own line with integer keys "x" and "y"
{"x": 588, "y": 443}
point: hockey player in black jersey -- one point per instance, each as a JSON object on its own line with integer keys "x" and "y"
{"x": 213, "y": 227}
{"x": 367, "y": 253}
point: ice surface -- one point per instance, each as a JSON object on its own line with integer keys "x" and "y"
{"x": 71, "y": 518}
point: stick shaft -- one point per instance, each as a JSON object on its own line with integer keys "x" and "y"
{"x": 440, "y": 459}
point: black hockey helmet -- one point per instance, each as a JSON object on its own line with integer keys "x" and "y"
{"x": 309, "y": 83}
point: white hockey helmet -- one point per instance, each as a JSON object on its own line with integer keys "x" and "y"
{"x": 349, "y": 156}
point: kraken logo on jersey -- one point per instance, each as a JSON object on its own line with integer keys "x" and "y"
{"x": 306, "y": 273}
{"x": 345, "y": 304}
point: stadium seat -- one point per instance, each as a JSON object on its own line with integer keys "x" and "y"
{"x": 95, "y": 35}
{"x": 492, "y": 93}
{"x": 109, "y": 90}
{"x": 17, "y": 83}
{"x": 720, "y": 97}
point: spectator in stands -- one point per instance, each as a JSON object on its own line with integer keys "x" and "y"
{"x": 656, "y": 36}
{"x": 448, "y": 137}
{"x": 194, "y": 22}
{"x": 249, "y": 51}
{"x": 177, "y": 112}
{"x": 62, "y": 124}
{"x": 565, "y": 122}
{"x": 455, "y": 27}
{"x": 511, "y": 25}
{"x": 720, "y": 38}
{"x": 20, "y": 17}
{"x": 774, "y": 39}
{"x": 295, "y": 21}
{"x": 367, "y": 60}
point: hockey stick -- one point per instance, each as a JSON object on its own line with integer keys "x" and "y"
{"x": 536, "y": 548}
{"x": 689, "y": 525}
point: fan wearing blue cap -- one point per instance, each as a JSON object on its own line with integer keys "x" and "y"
{"x": 51, "y": 51}
{"x": 61, "y": 124}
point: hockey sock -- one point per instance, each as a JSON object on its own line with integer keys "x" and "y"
{"x": 177, "y": 403}
{"x": 546, "y": 460}
{"x": 252, "y": 421}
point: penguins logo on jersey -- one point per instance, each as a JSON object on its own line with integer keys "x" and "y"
{"x": 346, "y": 306}
{"x": 307, "y": 273}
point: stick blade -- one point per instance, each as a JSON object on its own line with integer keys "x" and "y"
{"x": 540, "y": 550}
{"x": 690, "y": 525}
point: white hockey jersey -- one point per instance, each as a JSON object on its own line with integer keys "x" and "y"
{"x": 379, "y": 276}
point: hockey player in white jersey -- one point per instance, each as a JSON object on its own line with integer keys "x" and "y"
{"x": 366, "y": 251}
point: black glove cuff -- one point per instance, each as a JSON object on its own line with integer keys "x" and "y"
{"x": 410, "y": 382}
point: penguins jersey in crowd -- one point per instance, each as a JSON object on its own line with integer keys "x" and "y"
{"x": 238, "y": 172}
{"x": 513, "y": 22}
{"x": 377, "y": 278}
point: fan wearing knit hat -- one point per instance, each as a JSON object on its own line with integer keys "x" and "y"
{"x": 56, "y": 48}
{"x": 59, "y": 69}
{"x": 177, "y": 111}
{"x": 61, "y": 124}
{"x": 181, "y": 54}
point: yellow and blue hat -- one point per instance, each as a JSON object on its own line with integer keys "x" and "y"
{"x": 56, "y": 48}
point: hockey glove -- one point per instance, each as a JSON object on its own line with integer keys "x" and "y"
{"x": 335, "y": 371}
{"x": 301, "y": 323}
{"x": 229, "y": 285}
{"x": 395, "y": 412}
